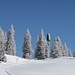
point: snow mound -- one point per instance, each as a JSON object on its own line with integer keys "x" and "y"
{"x": 14, "y": 59}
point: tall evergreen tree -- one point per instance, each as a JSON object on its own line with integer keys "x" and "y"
{"x": 56, "y": 48}
{"x": 2, "y": 45}
{"x": 27, "y": 48}
{"x": 42, "y": 48}
{"x": 11, "y": 46}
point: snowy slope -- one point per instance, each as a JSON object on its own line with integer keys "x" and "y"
{"x": 20, "y": 66}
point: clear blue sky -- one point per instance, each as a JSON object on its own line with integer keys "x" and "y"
{"x": 53, "y": 16}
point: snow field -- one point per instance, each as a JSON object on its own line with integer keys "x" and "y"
{"x": 20, "y": 66}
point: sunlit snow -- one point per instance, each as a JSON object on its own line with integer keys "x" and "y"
{"x": 19, "y": 66}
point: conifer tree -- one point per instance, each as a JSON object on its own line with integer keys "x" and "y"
{"x": 65, "y": 51}
{"x": 70, "y": 53}
{"x": 2, "y": 46}
{"x": 56, "y": 48}
{"x": 42, "y": 48}
{"x": 27, "y": 48}
{"x": 11, "y": 46}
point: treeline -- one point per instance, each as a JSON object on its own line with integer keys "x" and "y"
{"x": 43, "y": 50}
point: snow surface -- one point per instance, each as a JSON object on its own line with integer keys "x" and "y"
{"x": 19, "y": 66}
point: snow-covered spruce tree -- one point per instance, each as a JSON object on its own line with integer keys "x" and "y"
{"x": 56, "y": 48}
{"x": 65, "y": 51}
{"x": 2, "y": 46}
{"x": 70, "y": 53}
{"x": 27, "y": 48}
{"x": 11, "y": 46}
{"x": 42, "y": 48}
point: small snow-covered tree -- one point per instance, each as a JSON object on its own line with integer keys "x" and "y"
{"x": 40, "y": 47}
{"x": 27, "y": 48}
{"x": 56, "y": 48}
{"x": 11, "y": 46}
{"x": 65, "y": 51}
{"x": 70, "y": 53}
{"x": 2, "y": 45}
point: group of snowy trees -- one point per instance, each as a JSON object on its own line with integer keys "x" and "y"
{"x": 43, "y": 50}
{"x": 7, "y": 43}
{"x": 43, "y": 47}
{"x": 58, "y": 50}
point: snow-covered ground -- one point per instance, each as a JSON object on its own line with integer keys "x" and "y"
{"x": 19, "y": 66}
